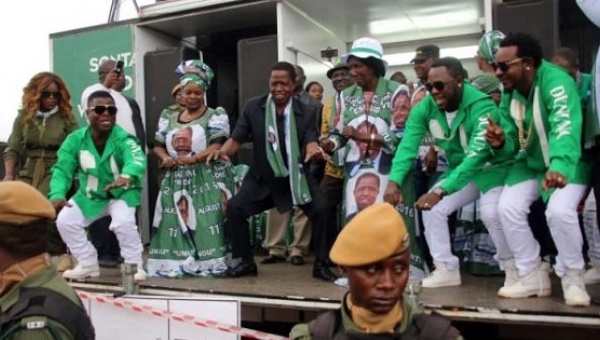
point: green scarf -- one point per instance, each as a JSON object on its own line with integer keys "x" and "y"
{"x": 298, "y": 183}
{"x": 591, "y": 125}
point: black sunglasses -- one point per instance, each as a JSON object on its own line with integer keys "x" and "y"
{"x": 505, "y": 65}
{"x": 48, "y": 94}
{"x": 100, "y": 109}
{"x": 438, "y": 85}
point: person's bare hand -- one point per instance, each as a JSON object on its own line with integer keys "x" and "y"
{"x": 349, "y": 132}
{"x": 217, "y": 155}
{"x": 494, "y": 134}
{"x": 392, "y": 194}
{"x": 120, "y": 182}
{"x": 168, "y": 162}
{"x": 326, "y": 144}
{"x": 428, "y": 201}
{"x": 553, "y": 180}
{"x": 59, "y": 204}
{"x": 186, "y": 160}
{"x": 313, "y": 151}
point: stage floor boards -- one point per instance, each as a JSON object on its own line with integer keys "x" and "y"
{"x": 281, "y": 282}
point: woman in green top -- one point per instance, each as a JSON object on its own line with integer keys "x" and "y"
{"x": 193, "y": 195}
{"x": 42, "y": 124}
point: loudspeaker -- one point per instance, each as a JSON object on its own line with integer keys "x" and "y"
{"x": 536, "y": 17}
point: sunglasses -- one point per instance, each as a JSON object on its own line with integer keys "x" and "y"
{"x": 438, "y": 85}
{"x": 100, "y": 109}
{"x": 48, "y": 94}
{"x": 505, "y": 65}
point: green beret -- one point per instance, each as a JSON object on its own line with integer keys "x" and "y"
{"x": 489, "y": 44}
{"x": 20, "y": 203}
{"x": 374, "y": 234}
{"x": 486, "y": 83}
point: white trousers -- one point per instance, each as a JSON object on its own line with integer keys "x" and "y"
{"x": 590, "y": 227}
{"x": 561, "y": 214}
{"x": 71, "y": 224}
{"x": 437, "y": 233}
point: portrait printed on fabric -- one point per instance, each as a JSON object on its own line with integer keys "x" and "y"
{"x": 183, "y": 141}
{"x": 363, "y": 190}
{"x": 185, "y": 211}
{"x": 363, "y": 154}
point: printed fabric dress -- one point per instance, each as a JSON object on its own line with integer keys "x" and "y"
{"x": 192, "y": 201}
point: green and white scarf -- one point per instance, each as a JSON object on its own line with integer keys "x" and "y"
{"x": 298, "y": 183}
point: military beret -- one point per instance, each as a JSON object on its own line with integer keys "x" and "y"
{"x": 374, "y": 234}
{"x": 20, "y": 203}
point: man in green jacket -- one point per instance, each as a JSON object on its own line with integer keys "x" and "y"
{"x": 35, "y": 302}
{"x": 373, "y": 251}
{"x": 109, "y": 164}
{"x": 541, "y": 102}
{"x": 457, "y": 116}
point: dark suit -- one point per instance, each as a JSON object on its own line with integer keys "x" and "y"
{"x": 261, "y": 190}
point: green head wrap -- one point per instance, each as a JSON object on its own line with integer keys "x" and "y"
{"x": 489, "y": 44}
{"x": 195, "y": 71}
{"x": 486, "y": 83}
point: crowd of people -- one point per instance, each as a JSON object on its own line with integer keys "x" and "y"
{"x": 521, "y": 132}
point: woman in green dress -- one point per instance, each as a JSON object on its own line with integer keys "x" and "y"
{"x": 193, "y": 196}
{"x": 42, "y": 124}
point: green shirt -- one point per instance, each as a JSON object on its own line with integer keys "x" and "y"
{"x": 470, "y": 158}
{"x": 410, "y": 310}
{"x": 46, "y": 278}
{"x": 552, "y": 113}
{"x": 78, "y": 155}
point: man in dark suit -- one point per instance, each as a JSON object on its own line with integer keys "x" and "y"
{"x": 284, "y": 137}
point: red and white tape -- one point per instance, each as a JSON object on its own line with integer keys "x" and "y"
{"x": 186, "y": 318}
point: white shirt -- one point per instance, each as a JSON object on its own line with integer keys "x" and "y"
{"x": 450, "y": 118}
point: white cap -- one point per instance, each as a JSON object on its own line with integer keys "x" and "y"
{"x": 366, "y": 47}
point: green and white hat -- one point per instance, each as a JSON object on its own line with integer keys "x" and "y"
{"x": 364, "y": 48}
{"x": 489, "y": 45}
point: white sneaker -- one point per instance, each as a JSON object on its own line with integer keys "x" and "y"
{"x": 511, "y": 275}
{"x": 574, "y": 288}
{"x": 442, "y": 277}
{"x": 81, "y": 272}
{"x": 592, "y": 276}
{"x": 141, "y": 275}
{"x": 536, "y": 283}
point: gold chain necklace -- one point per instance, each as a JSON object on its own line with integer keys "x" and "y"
{"x": 524, "y": 140}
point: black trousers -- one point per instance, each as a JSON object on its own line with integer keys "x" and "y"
{"x": 596, "y": 177}
{"x": 104, "y": 240}
{"x": 333, "y": 189}
{"x": 245, "y": 204}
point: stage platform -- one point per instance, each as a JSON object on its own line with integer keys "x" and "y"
{"x": 285, "y": 293}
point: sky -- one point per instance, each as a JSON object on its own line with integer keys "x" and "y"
{"x": 25, "y": 27}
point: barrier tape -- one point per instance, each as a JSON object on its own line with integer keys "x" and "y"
{"x": 186, "y": 318}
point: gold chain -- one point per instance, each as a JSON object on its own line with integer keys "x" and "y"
{"x": 524, "y": 140}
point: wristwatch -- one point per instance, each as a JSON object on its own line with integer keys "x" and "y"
{"x": 439, "y": 192}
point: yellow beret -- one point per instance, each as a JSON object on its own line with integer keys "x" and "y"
{"x": 374, "y": 234}
{"x": 20, "y": 203}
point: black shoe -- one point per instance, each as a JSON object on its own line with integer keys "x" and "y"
{"x": 297, "y": 260}
{"x": 273, "y": 259}
{"x": 245, "y": 268}
{"x": 322, "y": 272}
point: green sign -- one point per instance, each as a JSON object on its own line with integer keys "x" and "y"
{"x": 77, "y": 56}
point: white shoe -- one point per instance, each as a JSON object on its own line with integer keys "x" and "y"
{"x": 536, "y": 283}
{"x": 141, "y": 275}
{"x": 81, "y": 272}
{"x": 511, "y": 275}
{"x": 592, "y": 276}
{"x": 574, "y": 288}
{"x": 442, "y": 277}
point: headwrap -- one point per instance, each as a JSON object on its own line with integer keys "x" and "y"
{"x": 486, "y": 83}
{"x": 195, "y": 71}
{"x": 489, "y": 44}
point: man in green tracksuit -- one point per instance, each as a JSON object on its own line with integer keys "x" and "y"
{"x": 457, "y": 116}
{"x": 541, "y": 102}
{"x": 109, "y": 163}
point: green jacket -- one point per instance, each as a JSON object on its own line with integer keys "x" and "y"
{"x": 38, "y": 140}
{"x": 46, "y": 278}
{"x": 301, "y": 331}
{"x": 78, "y": 156}
{"x": 554, "y": 108}
{"x": 470, "y": 158}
